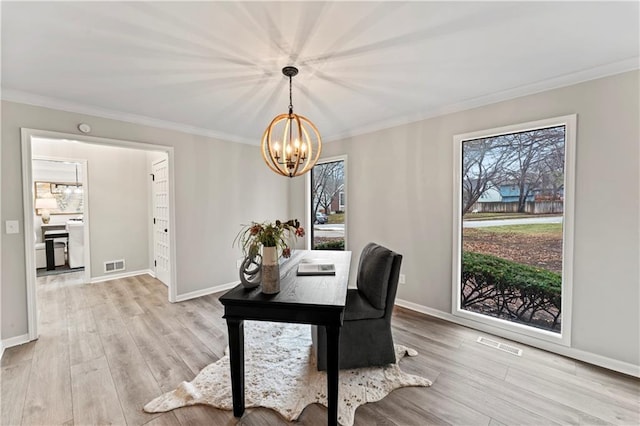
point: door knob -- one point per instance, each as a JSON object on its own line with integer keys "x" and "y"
{"x": 166, "y": 230}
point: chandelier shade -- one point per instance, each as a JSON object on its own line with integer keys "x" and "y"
{"x": 291, "y": 144}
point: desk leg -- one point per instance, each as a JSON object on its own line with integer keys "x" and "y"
{"x": 333, "y": 371}
{"x": 51, "y": 260}
{"x": 236, "y": 358}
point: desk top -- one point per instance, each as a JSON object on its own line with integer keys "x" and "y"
{"x": 305, "y": 299}
{"x": 55, "y": 234}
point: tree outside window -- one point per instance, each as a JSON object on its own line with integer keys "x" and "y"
{"x": 328, "y": 206}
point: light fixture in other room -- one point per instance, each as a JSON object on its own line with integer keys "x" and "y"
{"x": 78, "y": 189}
{"x": 45, "y": 205}
{"x": 291, "y": 144}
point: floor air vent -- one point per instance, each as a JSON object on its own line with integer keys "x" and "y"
{"x": 114, "y": 266}
{"x": 500, "y": 346}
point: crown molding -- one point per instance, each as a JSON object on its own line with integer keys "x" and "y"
{"x": 63, "y": 105}
{"x": 619, "y": 67}
{"x": 505, "y": 95}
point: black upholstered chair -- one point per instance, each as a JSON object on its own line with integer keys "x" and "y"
{"x": 365, "y": 337}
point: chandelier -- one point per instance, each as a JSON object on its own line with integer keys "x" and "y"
{"x": 291, "y": 144}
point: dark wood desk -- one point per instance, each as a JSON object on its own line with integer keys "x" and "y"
{"x": 318, "y": 300}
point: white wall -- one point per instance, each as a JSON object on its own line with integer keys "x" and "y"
{"x": 117, "y": 200}
{"x": 218, "y": 186}
{"x": 400, "y": 186}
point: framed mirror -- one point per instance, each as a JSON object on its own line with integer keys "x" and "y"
{"x": 69, "y": 196}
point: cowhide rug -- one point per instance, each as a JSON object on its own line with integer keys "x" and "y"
{"x": 280, "y": 373}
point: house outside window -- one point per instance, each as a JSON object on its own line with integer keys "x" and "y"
{"x": 327, "y": 203}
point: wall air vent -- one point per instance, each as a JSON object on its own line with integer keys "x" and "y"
{"x": 500, "y": 346}
{"x": 114, "y": 266}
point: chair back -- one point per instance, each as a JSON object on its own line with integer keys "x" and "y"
{"x": 378, "y": 274}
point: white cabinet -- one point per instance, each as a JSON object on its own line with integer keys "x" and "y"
{"x": 75, "y": 251}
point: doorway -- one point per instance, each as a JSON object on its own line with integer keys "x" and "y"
{"x": 104, "y": 215}
{"x": 60, "y": 216}
{"x": 160, "y": 196}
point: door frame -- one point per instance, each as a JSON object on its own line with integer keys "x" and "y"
{"x": 27, "y": 197}
{"x": 153, "y": 226}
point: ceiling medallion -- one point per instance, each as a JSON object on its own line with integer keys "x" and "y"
{"x": 291, "y": 144}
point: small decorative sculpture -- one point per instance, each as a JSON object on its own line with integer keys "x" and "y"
{"x": 251, "y": 271}
{"x": 273, "y": 239}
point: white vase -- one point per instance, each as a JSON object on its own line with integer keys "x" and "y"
{"x": 270, "y": 270}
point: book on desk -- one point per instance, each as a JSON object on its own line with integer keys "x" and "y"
{"x": 316, "y": 268}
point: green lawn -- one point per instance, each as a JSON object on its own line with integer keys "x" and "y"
{"x": 336, "y": 218}
{"x": 533, "y": 229}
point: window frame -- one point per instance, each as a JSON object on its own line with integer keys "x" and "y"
{"x": 496, "y": 325}
{"x": 308, "y": 212}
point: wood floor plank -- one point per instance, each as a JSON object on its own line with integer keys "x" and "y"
{"x": 579, "y": 397}
{"x": 108, "y": 319}
{"x": 212, "y": 337}
{"x": 529, "y": 359}
{"x": 165, "y": 364}
{"x": 448, "y": 359}
{"x": 439, "y": 405}
{"x": 107, "y": 349}
{"x": 100, "y": 406}
{"x": 404, "y": 412}
{"x": 123, "y": 299}
{"x": 13, "y": 384}
{"x": 316, "y": 415}
{"x": 494, "y": 422}
{"x": 77, "y": 298}
{"x": 165, "y": 419}
{"x": 474, "y": 395}
{"x": 195, "y": 355}
{"x": 615, "y": 382}
{"x": 48, "y": 397}
{"x": 94, "y": 294}
{"x": 84, "y": 339}
{"x": 156, "y": 312}
{"x": 593, "y": 387}
{"x": 537, "y": 403}
{"x": 134, "y": 382}
{"x": 18, "y": 354}
{"x": 203, "y": 415}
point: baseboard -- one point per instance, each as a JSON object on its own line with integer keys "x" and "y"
{"x": 206, "y": 291}
{"x": 109, "y": 277}
{"x": 14, "y": 341}
{"x": 591, "y": 358}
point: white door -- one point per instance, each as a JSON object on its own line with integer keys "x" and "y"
{"x": 161, "y": 221}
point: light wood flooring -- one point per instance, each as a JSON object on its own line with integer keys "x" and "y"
{"x": 107, "y": 349}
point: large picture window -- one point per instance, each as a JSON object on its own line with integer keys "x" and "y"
{"x": 513, "y": 228}
{"x": 328, "y": 205}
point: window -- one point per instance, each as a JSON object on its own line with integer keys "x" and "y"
{"x": 328, "y": 205}
{"x": 513, "y": 236}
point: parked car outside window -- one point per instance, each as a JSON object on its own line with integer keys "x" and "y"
{"x": 321, "y": 218}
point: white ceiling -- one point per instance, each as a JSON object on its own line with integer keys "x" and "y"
{"x": 213, "y": 68}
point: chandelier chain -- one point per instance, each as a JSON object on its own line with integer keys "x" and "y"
{"x": 290, "y": 97}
